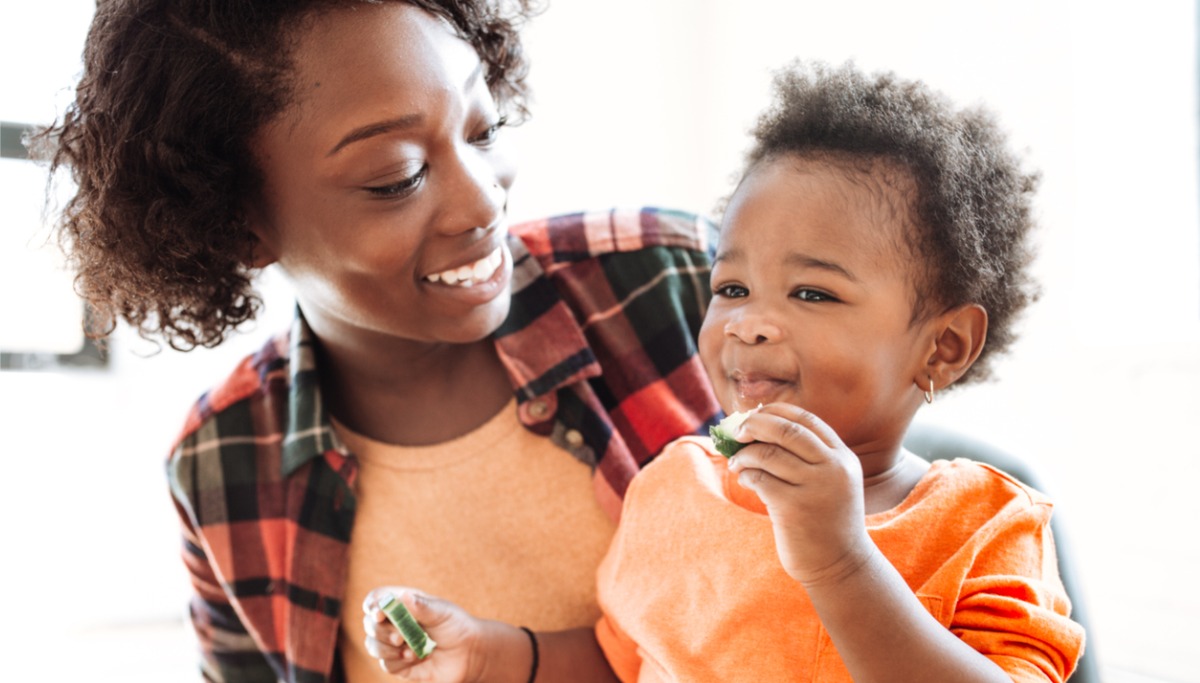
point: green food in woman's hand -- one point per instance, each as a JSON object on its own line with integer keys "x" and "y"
{"x": 413, "y": 634}
{"x": 722, "y": 433}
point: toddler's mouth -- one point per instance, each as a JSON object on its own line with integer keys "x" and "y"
{"x": 755, "y": 388}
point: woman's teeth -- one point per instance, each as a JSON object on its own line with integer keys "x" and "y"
{"x": 465, "y": 276}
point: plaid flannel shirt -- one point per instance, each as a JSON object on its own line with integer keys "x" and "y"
{"x": 600, "y": 345}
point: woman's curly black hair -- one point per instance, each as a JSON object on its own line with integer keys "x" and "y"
{"x": 158, "y": 143}
{"x": 971, "y": 216}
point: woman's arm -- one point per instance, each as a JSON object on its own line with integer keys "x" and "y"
{"x": 229, "y": 653}
{"x": 471, "y": 650}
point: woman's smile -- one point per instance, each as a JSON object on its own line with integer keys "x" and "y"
{"x": 473, "y": 283}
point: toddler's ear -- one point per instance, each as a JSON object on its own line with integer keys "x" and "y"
{"x": 959, "y": 335}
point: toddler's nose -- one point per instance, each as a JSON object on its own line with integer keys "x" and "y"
{"x": 753, "y": 329}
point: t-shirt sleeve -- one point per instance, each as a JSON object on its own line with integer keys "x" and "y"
{"x": 619, "y": 649}
{"x": 1013, "y": 608}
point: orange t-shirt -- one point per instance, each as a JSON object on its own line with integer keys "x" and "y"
{"x": 692, "y": 588}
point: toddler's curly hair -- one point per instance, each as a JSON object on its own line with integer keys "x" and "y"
{"x": 971, "y": 216}
{"x": 158, "y": 143}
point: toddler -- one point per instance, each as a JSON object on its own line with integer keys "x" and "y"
{"x": 876, "y": 240}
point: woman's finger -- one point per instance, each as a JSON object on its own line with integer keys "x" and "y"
{"x": 382, "y": 650}
{"x": 383, "y": 631}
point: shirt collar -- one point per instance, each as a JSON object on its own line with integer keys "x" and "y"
{"x": 541, "y": 341}
{"x": 309, "y": 432}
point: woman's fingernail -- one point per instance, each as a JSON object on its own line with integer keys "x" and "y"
{"x": 733, "y": 462}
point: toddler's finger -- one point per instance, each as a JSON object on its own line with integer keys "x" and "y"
{"x": 792, "y": 436}
{"x": 774, "y": 460}
{"x": 811, "y": 420}
{"x": 767, "y": 486}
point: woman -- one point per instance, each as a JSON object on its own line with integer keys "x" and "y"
{"x": 418, "y": 422}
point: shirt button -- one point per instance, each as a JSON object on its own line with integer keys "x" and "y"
{"x": 539, "y": 409}
{"x": 574, "y": 438}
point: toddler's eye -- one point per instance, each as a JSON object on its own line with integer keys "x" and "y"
{"x": 731, "y": 291}
{"x": 812, "y": 295}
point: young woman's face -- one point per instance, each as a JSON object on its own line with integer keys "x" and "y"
{"x": 813, "y": 299}
{"x": 385, "y": 191}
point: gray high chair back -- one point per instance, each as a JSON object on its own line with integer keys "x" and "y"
{"x": 933, "y": 442}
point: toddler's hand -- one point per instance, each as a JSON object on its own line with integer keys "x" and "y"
{"x": 811, "y": 484}
{"x": 454, "y": 630}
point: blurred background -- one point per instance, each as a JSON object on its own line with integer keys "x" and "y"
{"x": 649, "y": 102}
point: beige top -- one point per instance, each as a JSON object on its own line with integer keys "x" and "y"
{"x": 500, "y": 521}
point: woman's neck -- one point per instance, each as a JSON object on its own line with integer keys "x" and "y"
{"x": 413, "y": 394}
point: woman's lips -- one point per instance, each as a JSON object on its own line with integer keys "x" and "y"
{"x": 468, "y": 274}
{"x": 496, "y": 271}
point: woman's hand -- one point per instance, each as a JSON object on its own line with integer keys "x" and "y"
{"x": 812, "y": 486}
{"x": 458, "y": 636}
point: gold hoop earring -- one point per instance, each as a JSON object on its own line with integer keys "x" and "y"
{"x": 929, "y": 394}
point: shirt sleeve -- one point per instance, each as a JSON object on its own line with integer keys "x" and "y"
{"x": 229, "y": 654}
{"x": 619, "y": 649}
{"x": 1013, "y": 608}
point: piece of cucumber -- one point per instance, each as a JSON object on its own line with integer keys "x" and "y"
{"x": 413, "y": 634}
{"x": 722, "y": 433}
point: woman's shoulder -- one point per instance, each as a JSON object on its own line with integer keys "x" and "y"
{"x": 232, "y": 435}
{"x": 228, "y": 409}
{"x": 585, "y": 235}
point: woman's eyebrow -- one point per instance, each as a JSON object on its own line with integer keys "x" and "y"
{"x": 398, "y": 123}
{"x": 377, "y": 128}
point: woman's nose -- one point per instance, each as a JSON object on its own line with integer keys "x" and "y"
{"x": 753, "y": 328}
{"x": 478, "y": 193}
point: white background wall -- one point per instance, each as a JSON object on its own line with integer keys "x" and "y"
{"x": 648, "y": 101}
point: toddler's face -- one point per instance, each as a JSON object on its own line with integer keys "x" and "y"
{"x": 813, "y": 298}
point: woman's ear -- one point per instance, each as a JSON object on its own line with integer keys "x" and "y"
{"x": 958, "y": 338}
{"x": 262, "y": 253}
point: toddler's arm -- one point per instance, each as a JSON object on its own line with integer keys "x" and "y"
{"x": 472, "y": 650}
{"x": 811, "y": 484}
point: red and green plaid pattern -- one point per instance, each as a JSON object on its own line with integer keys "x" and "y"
{"x": 606, "y": 308}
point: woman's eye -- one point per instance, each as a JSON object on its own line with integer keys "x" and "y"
{"x": 487, "y": 137}
{"x": 398, "y": 189}
{"x": 812, "y": 295}
{"x": 731, "y": 291}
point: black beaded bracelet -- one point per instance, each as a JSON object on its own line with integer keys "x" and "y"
{"x": 533, "y": 643}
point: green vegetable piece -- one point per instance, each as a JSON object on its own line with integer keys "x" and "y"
{"x": 416, "y": 637}
{"x": 722, "y": 433}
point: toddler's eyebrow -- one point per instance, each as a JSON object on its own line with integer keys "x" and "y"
{"x": 794, "y": 259}
{"x": 806, "y": 261}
